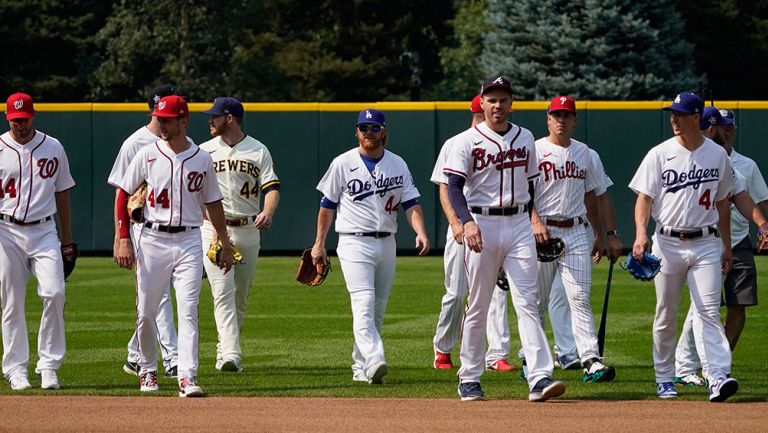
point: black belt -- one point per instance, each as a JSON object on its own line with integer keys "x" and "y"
{"x": 244, "y": 221}
{"x": 564, "y": 223}
{"x": 689, "y": 234}
{"x": 167, "y": 229}
{"x": 499, "y": 211}
{"x": 11, "y": 219}
{"x": 376, "y": 235}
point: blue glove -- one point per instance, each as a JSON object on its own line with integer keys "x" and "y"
{"x": 643, "y": 270}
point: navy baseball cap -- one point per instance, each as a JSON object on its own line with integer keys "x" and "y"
{"x": 496, "y": 82}
{"x": 714, "y": 117}
{"x": 370, "y": 115}
{"x": 728, "y": 114}
{"x": 226, "y": 105}
{"x": 686, "y": 103}
{"x": 158, "y": 93}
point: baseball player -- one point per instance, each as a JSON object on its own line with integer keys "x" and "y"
{"x": 740, "y": 285}
{"x": 365, "y": 187}
{"x": 180, "y": 182}
{"x": 495, "y": 161}
{"x": 685, "y": 183}
{"x": 245, "y": 173}
{"x": 34, "y": 185}
{"x": 123, "y": 251}
{"x": 565, "y": 193}
{"x": 452, "y": 311}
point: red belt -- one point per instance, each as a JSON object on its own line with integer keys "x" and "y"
{"x": 564, "y": 223}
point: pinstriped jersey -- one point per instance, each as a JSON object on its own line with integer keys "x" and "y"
{"x": 685, "y": 185}
{"x": 30, "y": 175}
{"x": 566, "y": 174}
{"x": 367, "y": 201}
{"x": 178, "y": 184}
{"x": 497, "y": 168}
{"x": 243, "y": 172}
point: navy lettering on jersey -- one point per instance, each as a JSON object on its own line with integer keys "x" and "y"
{"x": 237, "y": 165}
{"x": 569, "y": 170}
{"x": 675, "y": 181}
{"x": 360, "y": 189}
{"x": 500, "y": 160}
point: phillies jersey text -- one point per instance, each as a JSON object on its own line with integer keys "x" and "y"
{"x": 367, "y": 201}
{"x": 565, "y": 175}
{"x": 30, "y": 174}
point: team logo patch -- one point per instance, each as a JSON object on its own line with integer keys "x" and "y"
{"x": 368, "y": 114}
{"x": 499, "y": 80}
{"x": 161, "y": 105}
{"x": 195, "y": 181}
{"x": 48, "y": 167}
{"x": 675, "y": 181}
{"x": 724, "y": 113}
{"x": 18, "y": 104}
{"x": 563, "y": 99}
{"x": 677, "y": 100}
{"x": 712, "y": 120}
{"x": 156, "y": 99}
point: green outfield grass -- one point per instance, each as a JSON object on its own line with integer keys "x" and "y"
{"x": 297, "y": 340}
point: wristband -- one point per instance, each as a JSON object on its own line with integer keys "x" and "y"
{"x": 612, "y": 233}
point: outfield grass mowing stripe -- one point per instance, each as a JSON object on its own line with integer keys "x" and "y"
{"x": 297, "y": 340}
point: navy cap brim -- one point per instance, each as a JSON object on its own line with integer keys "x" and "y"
{"x": 678, "y": 108}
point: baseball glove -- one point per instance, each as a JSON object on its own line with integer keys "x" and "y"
{"x": 136, "y": 204}
{"x": 501, "y": 280}
{"x": 762, "y": 238}
{"x": 69, "y": 255}
{"x": 309, "y": 273}
{"x": 643, "y": 270}
{"x": 214, "y": 253}
{"x": 551, "y": 250}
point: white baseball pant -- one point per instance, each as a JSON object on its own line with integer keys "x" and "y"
{"x": 31, "y": 249}
{"x": 163, "y": 257}
{"x": 368, "y": 265}
{"x": 697, "y": 262}
{"x": 230, "y": 291}
{"x": 507, "y": 241}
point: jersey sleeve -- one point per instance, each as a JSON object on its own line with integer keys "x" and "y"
{"x": 64, "y": 180}
{"x": 646, "y": 179}
{"x": 331, "y": 184}
{"x": 593, "y": 182}
{"x": 602, "y": 177}
{"x": 410, "y": 191}
{"x": 211, "y": 191}
{"x": 739, "y": 183}
{"x": 438, "y": 175}
{"x": 135, "y": 174}
{"x": 268, "y": 177}
{"x": 756, "y": 184}
{"x": 532, "y": 168}
{"x": 123, "y": 160}
{"x": 725, "y": 185}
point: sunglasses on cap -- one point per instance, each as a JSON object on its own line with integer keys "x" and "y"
{"x": 375, "y": 127}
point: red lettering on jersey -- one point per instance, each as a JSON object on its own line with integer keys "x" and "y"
{"x": 195, "y": 181}
{"x": 48, "y": 167}
{"x": 10, "y": 188}
{"x": 569, "y": 170}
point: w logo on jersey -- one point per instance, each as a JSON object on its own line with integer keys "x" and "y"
{"x": 48, "y": 167}
{"x": 195, "y": 181}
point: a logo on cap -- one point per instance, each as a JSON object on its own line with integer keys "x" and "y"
{"x": 677, "y": 100}
{"x": 161, "y": 105}
{"x": 563, "y": 99}
{"x": 18, "y": 104}
{"x": 499, "y": 80}
{"x": 368, "y": 114}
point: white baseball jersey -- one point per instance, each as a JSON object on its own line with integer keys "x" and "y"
{"x": 500, "y": 164}
{"x": 178, "y": 185}
{"x": 368, "y": 201}
{"x": 756, "y": 187}
{"x": 30, "y": 174}
{"x": 566, "y": 174}
{"x": 128, "y": 150}
{"x": 604, "y": 181}
{"x": 675, "y": 178}
{"x": 243, "y": 171}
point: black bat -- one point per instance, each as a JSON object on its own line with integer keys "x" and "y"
{"x": 603, "y": 316}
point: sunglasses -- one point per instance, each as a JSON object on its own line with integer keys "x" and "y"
{"x": 373, "y": 128}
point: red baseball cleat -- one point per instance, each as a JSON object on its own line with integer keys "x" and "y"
{"x": 502, "y": 365}
{"x": 443, "y": 360}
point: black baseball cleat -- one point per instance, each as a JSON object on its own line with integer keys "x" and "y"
{"x": 131, "y": 368}
{"x": 596, "y": 371}
{"x": 471, "y": 391}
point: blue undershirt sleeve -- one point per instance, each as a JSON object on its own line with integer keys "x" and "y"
{"x": 457, "y": 199}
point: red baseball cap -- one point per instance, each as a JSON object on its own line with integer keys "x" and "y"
{"x": 19, "y": 106}
{"x": 475, "y": 106}
{"x": 171, "y": 106}
{"x": 562, "y": 103}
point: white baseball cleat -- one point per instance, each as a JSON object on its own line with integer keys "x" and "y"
{"x": 48, "y": 379}
{"x": 188, "y": 387}
{"x": 359, "y": 376}
{"x": 148, "y": 381}
{"x": 19, "y": 382}
{"x": 378, "y": 372}
{"x": 231, "y": 366}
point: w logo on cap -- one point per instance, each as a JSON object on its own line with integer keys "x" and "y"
{"x": 18, "y": 104}
{"x": 161, "y": 105}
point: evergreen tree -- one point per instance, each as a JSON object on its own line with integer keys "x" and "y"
{"x": 589, "y": 49}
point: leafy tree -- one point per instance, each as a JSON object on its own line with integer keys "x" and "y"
{"x": 589, "y": 49}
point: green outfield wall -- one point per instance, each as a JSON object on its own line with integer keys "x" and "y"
{"x": 304, "y": 137}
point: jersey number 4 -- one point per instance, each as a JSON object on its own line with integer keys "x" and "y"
{"x": 246, "y": 191}
{"x": 161, "y": 199}
{"x": 705, "y": 199}
{"x": 9, "y": 188}
{"x": 388, "y": 207}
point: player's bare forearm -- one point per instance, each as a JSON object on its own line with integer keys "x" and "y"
{"x": 453, "y": 220}
{"x": 608, "y": 217}
{"x": 539, "y": 229}
{"x": 642, "y": 217}
{"x": 324, "y": 221}
{"x": 747, "y": 207}
{"x": 63, "y": 217}
{"x": 415, "y": 217}
{"x": 724, "y": 226}
{"x": 264, "y": 218}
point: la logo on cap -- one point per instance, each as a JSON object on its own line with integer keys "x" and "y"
{"x": 368, "y": 114}
{"x": 18, "y": 104}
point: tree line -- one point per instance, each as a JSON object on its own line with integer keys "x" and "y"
{"x": 377, "y": 50}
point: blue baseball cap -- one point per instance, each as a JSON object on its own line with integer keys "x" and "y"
{"x": 686, "y": 103}
{"x": 714, "y": 117}
{"x": 226, "y": 105}
{"x": 728, "y": 114}
{"x": 370, "y": 115}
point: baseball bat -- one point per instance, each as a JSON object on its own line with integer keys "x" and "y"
{"x": 603, "y": 316}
